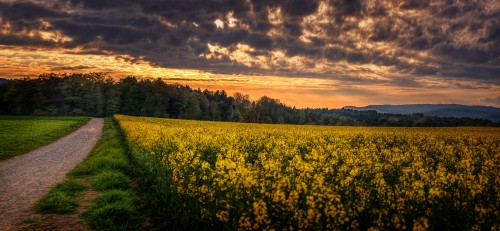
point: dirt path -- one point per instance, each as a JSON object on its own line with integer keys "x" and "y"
{"x": 25, "y": 179}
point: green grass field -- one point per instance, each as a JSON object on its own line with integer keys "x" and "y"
{"x": 20, "y": 134}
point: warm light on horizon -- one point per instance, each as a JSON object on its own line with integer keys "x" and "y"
{"x": 307, "y": 54}
{"x": 301, "y": 92}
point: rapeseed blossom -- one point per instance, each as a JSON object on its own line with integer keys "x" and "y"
{"x": 264, "y": 177}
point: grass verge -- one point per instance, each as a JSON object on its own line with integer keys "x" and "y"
{"x": 112, "y": 210}
{"x": 105, "y": 171}
{"x": 20, "y": 134}
{"x": 110, "y": 179}
{"x": 63, "y": 198}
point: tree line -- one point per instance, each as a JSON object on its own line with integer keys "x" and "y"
{"x": 98, "y": 95}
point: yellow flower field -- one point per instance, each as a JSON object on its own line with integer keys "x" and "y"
{"x": 261, "y": 176}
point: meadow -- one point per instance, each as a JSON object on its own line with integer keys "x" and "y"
{"x": 20, "y": 134}
{"x": 261, "y": 176}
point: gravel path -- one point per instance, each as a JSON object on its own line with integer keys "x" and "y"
{"x": 25, "y": 179}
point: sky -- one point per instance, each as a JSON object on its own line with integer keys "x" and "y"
{"x": 327, "y": 53}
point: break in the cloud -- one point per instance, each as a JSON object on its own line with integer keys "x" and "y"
{"x": 330, "y": 52}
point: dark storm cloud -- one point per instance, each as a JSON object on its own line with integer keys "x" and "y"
{"x": 300, "y": 7}
{"x": 456, "y": 39}
{"x": 205, "y": 80}
{"x": 469, "y": 86}
{"x": 488, "y": 74}
{"x": 99, "y": 4}
{"x": 71, "y": 68}
{"x": 414, "y": 4}
{"x": 15, "y": 40}
{"x": 27, "y": 11}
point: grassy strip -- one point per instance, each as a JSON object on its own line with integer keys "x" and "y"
{"x": 20, "y": 134}
{"x": 113, "y": 210}
{"x": 63, "y": 198}
{"x": 105, "y": 171}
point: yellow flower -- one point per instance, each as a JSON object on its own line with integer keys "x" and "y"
{"x": 311, "y": 177}
{"x": 222, "y": 215}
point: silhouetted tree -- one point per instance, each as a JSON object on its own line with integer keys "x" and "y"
{"x": 96, "y": 94}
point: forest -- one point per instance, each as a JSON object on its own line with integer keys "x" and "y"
{"x": 99, "y": 95}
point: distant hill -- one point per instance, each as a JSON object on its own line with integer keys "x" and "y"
{"x": 441, "y": 110}
{"x": 4, "y": 80}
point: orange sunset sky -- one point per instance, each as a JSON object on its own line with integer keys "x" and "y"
{"x": 328, "y": 53}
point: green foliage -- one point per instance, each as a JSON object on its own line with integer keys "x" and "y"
{"x": 20, "y": 134}
{"x": 58, "y": 202}
{"x": 108, "y": 179}
{"x": 83, "y": 94}
{"x": 157, "y": 198}
{"x": 70, "y": 187}
{"x": 63, "y": 198}
{"x": 95, "y": 165}
{"x": 95, "y": 94}
{"x": 112, "y": 210}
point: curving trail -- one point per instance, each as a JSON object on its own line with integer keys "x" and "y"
{"x": 25, "y": 179}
